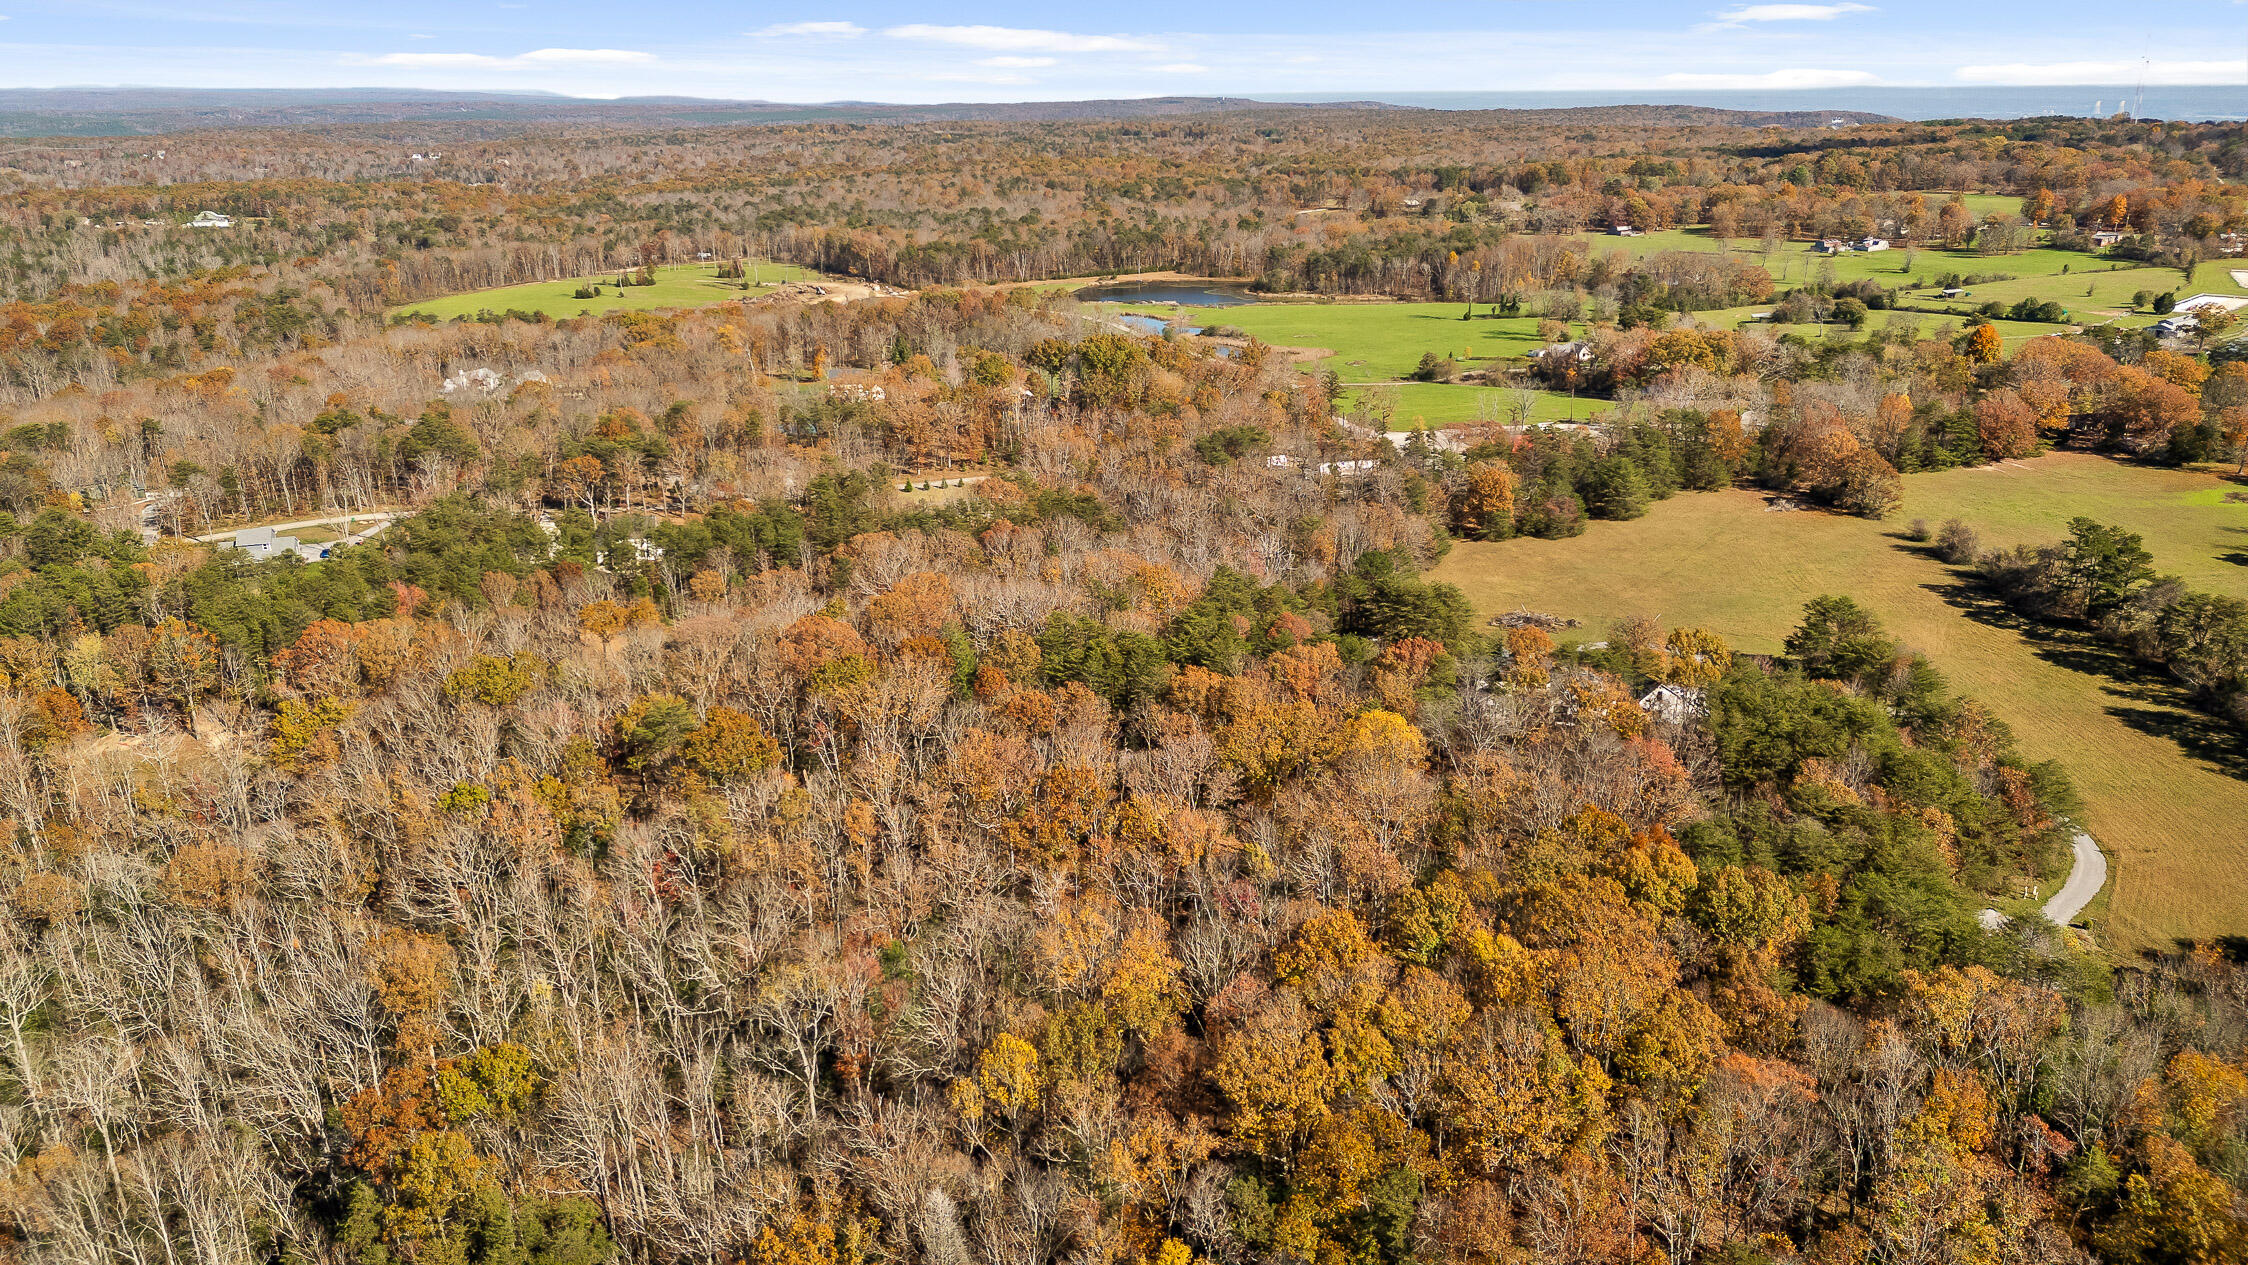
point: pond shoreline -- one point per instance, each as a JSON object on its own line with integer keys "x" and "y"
{"x": 1177, "y": 294}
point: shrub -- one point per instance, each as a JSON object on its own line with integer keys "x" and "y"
{"x": 1436, "y": 368}
{"x": 1918, "y": 532}
{"x": 1957, "y": 543}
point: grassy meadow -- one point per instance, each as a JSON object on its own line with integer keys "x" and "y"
{"x": 679, "y": 285}
{"x": 1793, "y": 262}
{"x": 1448, "y": 404}
{"x": 1374, "y": 346}
{"x": 1924, "y": 324}
{"x": 2165, "y": 787}
{"x": 2093, "y": 288}
{"x": 1382, "y": 342}
{"x": 1377, "y": 342}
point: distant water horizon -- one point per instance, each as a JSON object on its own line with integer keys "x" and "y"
{"x": 2200, "y": 103}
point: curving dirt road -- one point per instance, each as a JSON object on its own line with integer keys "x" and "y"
{"x": 2084, "y": 882}
{"x": 2086, "y": 876}
{"x": 386, "y": 517}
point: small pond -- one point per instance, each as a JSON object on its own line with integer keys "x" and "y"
{"x": 1146, "y": 324}
{"x": 1183, "y": 293}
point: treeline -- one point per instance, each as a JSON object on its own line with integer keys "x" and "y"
{"x": 2103, "y": 578}
{"x": 1550, "y": 482}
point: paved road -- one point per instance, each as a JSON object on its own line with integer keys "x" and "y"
{"x": 2084, "y": 882}
{"x": 2086, "y": 876}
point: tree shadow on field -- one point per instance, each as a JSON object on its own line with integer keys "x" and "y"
{"x": 2233, "y": 947}
{"x": 1903, "y": 542}
{"x": 2141, "y": 696}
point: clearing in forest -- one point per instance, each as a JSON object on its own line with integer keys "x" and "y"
{"x": 679, "y": 285}
{"x": 2165, "y": 785}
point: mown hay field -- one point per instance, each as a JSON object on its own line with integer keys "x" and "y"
{"x": 2165, "y": 786}
{"x": 682, "y": 285}
{"x": 1382, "y": 342}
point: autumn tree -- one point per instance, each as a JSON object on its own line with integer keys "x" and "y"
{"x": 1981, "y": 344}
{"x": 1484, "y": 508}
{"x": 2005, "y": 425}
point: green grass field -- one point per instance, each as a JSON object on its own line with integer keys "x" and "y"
{"x": 1447, "y": 404}
{"x": 2088, "y": 294}
{"x": 1384, "y": 342}
{"x": 682, "y": 285}
{"x": 1375, "y": 342}
{"x": 1983, "y": 204}
{"x": 2039, "y": 272}
{"x": 2165, "y": 786}
{"x": 1925, "y": 324}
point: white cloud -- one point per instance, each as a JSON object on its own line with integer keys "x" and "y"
{"x": 968, "y": 77}
{"x": 1791, "y": 12}
{"x": 426, "y": 60}
{"x": 1182, "y": 68}
{"x": 584, "y": 56}
{"x": 1015, "y": 63}
{"x": 521, "y": 61}
{"x": 1800, "y": 77}
{"x": 1021, "y": 39}
{"x": 1621, "y": 61}
{"x": 832, "y": 30}
{"x": 2030, "y": 74}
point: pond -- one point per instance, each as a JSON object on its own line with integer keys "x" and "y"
{"x": 1146, "y": 324}
{"x": 1183, "y": 293}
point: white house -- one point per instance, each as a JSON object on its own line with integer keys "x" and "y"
{"x": 1578, "y": 350}
{"x": 211, "y": 219}
{"x": 1871, "y": 244}
{"x": 261, "y": 543}
{"x": 1674, "y": 704}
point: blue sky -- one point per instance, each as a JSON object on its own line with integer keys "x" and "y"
{"x": 995, "y": 50}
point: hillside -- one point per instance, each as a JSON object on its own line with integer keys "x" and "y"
{"x": 93, "y": 112}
